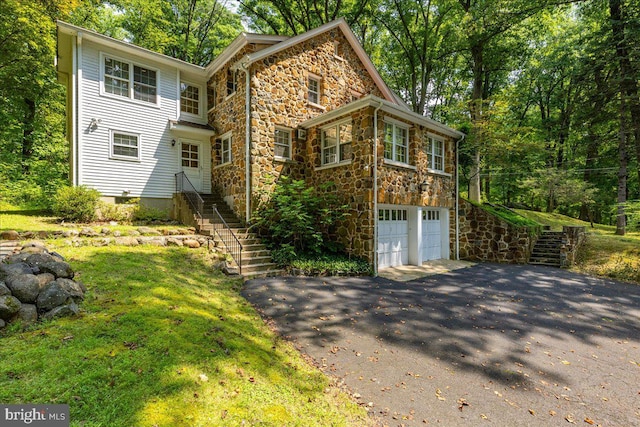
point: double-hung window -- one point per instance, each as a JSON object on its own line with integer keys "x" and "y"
{"x": 396, "y": 142}
{"x": 283, "y": 143}
{"x": 232, "y": 81}
{"x": 336, "y": 143}
{"x": 122, "y": 78}
{"x": 225, "y": 148}
{"x": 313, "y": 95}
{"x": 435, "y": 152}
{"x": 125, "y": 145}
{"x": 189, "y": 99}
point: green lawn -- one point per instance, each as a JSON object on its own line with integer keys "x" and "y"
{"x": 605, "y": 254}
{"x": 164, "y": 340}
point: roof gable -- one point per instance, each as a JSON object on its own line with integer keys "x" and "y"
{"x": 351, "y": 38}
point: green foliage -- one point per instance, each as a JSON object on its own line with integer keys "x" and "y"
{"x": 145, "y": 213}
{"x": 77, "y": 204}
{"x": 301, "y": 217}
{"x": 508, "y": 215}
{"x": 331, "y": 265}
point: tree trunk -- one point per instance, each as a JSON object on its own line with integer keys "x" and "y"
{"x": 621, "y": 221}
{"x": 476, "y": 118}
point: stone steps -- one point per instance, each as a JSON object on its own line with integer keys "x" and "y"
{"x": 547, "y": 250}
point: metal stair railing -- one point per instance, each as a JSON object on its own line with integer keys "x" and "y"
{"x": 220, "y": 226}
{"x": 228, "y": 237}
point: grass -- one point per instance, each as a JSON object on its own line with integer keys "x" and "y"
{"x": 508, "y": 215}
{"x": 605, "y": 254}
{"x": 164, "y": 340}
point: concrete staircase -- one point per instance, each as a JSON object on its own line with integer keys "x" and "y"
{"x": 547, "y": 249}
{"x": 256, "y": 258}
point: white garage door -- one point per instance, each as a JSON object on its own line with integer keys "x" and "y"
{"x": 431, "y": 235}
{"x": 393, "y": 238}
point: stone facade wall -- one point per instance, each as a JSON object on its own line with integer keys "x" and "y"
{"x": 485, "y": 237}
{"x": 572, "y": 239}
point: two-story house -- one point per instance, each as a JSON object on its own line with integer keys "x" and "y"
{"x": 312, "y": 107}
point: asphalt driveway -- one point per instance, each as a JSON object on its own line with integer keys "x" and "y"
{"x": 495, "y": 345}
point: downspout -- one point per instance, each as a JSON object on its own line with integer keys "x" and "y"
{"x": 247, "y": 140}
{"x": 375, "y": 190}
{"x": 457, "y": 199}
{"x": 79, "y": 108}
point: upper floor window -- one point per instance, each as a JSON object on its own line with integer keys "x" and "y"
{"x": 125, "y": 145}
{"x": 283, "y": 143}
{"x": 189, "y": 99}
{"x": 336, "y": 143}
{"x": 435, "y": 151}
{"x": 232, "y": 81}
{"x": 396, "y": 142}
{"x": 314, "y": 90}
{"x": 212, "y": 95}
{"x": 225, "y": 148}
{"x": 132, "y": 81}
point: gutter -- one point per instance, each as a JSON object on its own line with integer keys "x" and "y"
{"x": 457, "y": 195}
{"x": 375, "y": 189}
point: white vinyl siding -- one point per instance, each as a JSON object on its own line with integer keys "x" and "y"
{"x": 153, "y": 175}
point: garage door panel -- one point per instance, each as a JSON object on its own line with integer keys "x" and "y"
{"x": 431, "y": 235}
{"x": 393, "y": 238}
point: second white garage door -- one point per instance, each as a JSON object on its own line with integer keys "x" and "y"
{"x": 431, "y": 235}
{"x": 393, "y": 238}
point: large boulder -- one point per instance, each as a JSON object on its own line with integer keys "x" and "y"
{"x": 36, "y": 260}
{"x": 15, "y": 258}
{"x": 70, "y": 309}
{"x": 9, "y": 306}
{"x": 7, "y": 270}
{"x": 58, "y": 293}
{"x": 44, "y": 278}
{"x": 4, "y": 290}
{"x": 9, "y": 235}
{"x": 60, "y": 269}
{"x": 28, "y": 314}
{"x": 25, "y": 287}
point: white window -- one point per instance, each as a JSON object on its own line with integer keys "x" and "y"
{"x": 225, "y": 148}
{"x": 435, "y": 151}
{"x": 336, "y": 143}
{"x": 190, "y": 155}
{"x": 212, "y": 93}
{"x": 314, "y": 90}
{"x": 189, "y": 99}
{"x": 131, "y": 81}
{"x": 232, "y": 81}
{"x": 396, "y": 143}
{"x": 283, "y": 143}
{"x": 125, "y": 145}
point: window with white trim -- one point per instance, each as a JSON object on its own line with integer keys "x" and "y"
{"x": 313, "y": 95}
{"x": 189, "y": 99}
{"x": 225, "y": 148}
{"x": 283, "y": 143}
{"x": 232, "y": 81}
{"x": 119, "y": 80}
{"x": 396, "y": 143}
{"x": 125, "y": 146}
{"x": 336, "y": 143}
{"x": 435, "y": 152}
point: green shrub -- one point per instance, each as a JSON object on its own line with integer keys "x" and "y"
{"x": 115, "y": 212}
{"x": 300, "y": 218}
{"x": 148, "y": 214}
{"x": 77, "y": 204}
{"x": 331, "y": 265}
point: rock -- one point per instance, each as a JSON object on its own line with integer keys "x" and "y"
{"x": 9, "y": 235}
{"x": 154, "y": 241}
{"x": 101, "y": 242}
{"x": 4, "y": 290}
{"x": 149, "y": 231}
{"x": 33, "y": 250}
{"x": 66, "y": 310}
{"x": 34, "y": 244}
{"x": 2, "y": 324}
{"x": 60, "y": 269}
{"x": 191, "y": 243}
{"x": 57, "y": 256}
{"x": 28, "y": 314}
{"x": 82, "y": 286}
{"x": 7, "y": 270}
{"x": 117, "y": 233}
{"x": 126, "y": 241}
{"x": 44, "y": 278}
{"x": 58, "y": 293}
{"x": 19, "y": 257}
{"x": 134, "y": 233}
{"x": 171, "y": 241}
{"x": 9, "y": 306}
{"x": 105, "y": 231}
{"x": 35, "y": 260}
{"x": 88, "y": 232}
{"x": 70, "y": 233}
{"x": 25, "y": 287}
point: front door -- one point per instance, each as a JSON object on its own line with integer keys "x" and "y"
{"x": 190, "y": 159}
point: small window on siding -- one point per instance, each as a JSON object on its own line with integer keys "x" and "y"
{"x": 283, "y": 143}
{"x": 125, "y": 146}
{"x": 189, "y": 99}
{"x": 225, "y": 148}
{"x": 313, "y": 95}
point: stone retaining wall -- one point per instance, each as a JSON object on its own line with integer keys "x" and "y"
{"x": 485, "y": 237}
{"x": 572, "y": 239}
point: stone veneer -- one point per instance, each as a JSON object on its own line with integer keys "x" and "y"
{"x": 279, "y": 99}
{"x": 485, "y": 237}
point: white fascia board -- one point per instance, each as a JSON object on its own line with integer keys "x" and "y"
{"x": 387, "y": 107}
{"x": 131, "y": 49}
{"x": 238, "y": 43}
{"x": 184, "y": 129}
